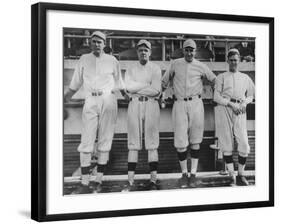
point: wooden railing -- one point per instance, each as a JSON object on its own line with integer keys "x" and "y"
{"x": 163, "y": 39}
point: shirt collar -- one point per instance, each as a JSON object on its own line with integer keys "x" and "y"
{"x": 147, "y": 64}
{"x": 101, "y": 55}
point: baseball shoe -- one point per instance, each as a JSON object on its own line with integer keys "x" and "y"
{"x": 241, "y": 181}
{"x": 96, "y": 187}
{"x": 128, "y": 187}
{"x": 82, "y": 189}
{"x": 193, "y": 181}
{"x": 183, "y": 181}
{"x": 152, "y": 186}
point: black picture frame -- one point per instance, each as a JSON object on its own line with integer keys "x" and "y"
{"x": 39, "y": 109}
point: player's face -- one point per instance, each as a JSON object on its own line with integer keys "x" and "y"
{"x": 233, "y": 62}
{"x": 189, "y": 53}
{"x": 97, "y": 45}
{"x": 143, "y": 54}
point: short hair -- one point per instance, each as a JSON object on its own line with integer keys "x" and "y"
{"x": 232, "y": 52}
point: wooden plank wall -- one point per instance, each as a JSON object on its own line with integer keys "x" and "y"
{"x": 168, "y": 161}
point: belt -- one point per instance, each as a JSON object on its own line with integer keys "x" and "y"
{"x": 235, "y": 101}
{"x": 190, "y": 98}
{"x": 98, "y": 93}
{"x": 142, "y": 98}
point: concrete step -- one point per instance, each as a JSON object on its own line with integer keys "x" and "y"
{"x": 117, "y": 183}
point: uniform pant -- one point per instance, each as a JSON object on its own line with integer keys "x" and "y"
{"x": 228, "y": 126}
{"x": 143, "y": 116}
{"x": 188, "y": 122}
{"x": 99, "y": 113}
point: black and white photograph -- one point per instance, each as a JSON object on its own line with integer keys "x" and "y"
{"x": 141, "y": 112}
{"x": 157, "y": 111}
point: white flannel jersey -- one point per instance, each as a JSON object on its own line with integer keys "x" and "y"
{"x": 97, "y": 73}
{"x": 187, "y": 77}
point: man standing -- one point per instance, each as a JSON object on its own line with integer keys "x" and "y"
{"x": 186, "y": 75}
{"x": 99, "y": 73}
{"x": 143, "y": 83}
{"x": 233, "y": 92}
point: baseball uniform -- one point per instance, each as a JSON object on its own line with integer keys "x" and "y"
{"x": 143, "y": 108}
{"x": 98, "y": 76}
{"x": 188, "y": 109}
{"x": 233, "y": 87}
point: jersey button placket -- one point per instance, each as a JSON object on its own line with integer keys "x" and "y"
{"x": 95, "y": 73}
{"x": 186, "y": 81}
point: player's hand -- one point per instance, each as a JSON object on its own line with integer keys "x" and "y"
{"x": 115, "y": 90}
{"x": 68, "y": 95}
{"x": 243, "y": 107}
{"x": 162, "y": 100}
{"x": 66, "y": 98}
{"x": 235, "y": 107}
{"x": 126, "y": 97}
{"x": 124, "y": 94}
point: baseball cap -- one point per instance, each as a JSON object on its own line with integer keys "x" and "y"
{"x": 98, "y": 34}
{"x": 144, "y": 42}
{"x": 189, "y": 43}
{"x": 233, "y": 50}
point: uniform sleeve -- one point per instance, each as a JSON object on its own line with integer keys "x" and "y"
{"x": 168, "y": 76}
{"x": 155, "y": 88}
{"x": 250, "y": 93}
{"x": 156, "y": 80}
{"x": 131, "y": 85}
{"x": 218, "y": 98}
{"x": 127, "y": 78}
{"x": 208, "y": 74}
{"x": 77, "y": 78}
{"x": 119, "y": 83}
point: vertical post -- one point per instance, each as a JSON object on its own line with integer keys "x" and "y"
{"x": 180, "y": 43}
{"x": 68, "y": 43}
{"x": 163, "y": 50}
{"x": 172, "y": 46}
{"x": 226, "y": 49}
{"x": 110, "y": 43}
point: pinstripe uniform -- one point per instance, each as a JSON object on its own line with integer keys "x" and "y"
{"x": 188, "y": 110}
{"x": 236, "y": 86}
{"x": 98, "y": 76}
{"x": 143, "y": 115}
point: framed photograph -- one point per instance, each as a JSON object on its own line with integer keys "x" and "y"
{"x": 138, "y": 111}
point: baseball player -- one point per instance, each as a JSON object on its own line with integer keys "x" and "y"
{"x": 99, "y": 73}
{"x": 233, "y": 92}
{"x": 186, "y": 75}
{"x": 143, "y": 83}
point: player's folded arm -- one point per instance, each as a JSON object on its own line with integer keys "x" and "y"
{"x": 154, "y": 89}
{"x": 131, "y": 85}
{"x": 134, "y": 87}
{"x": 149, "y": 91}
